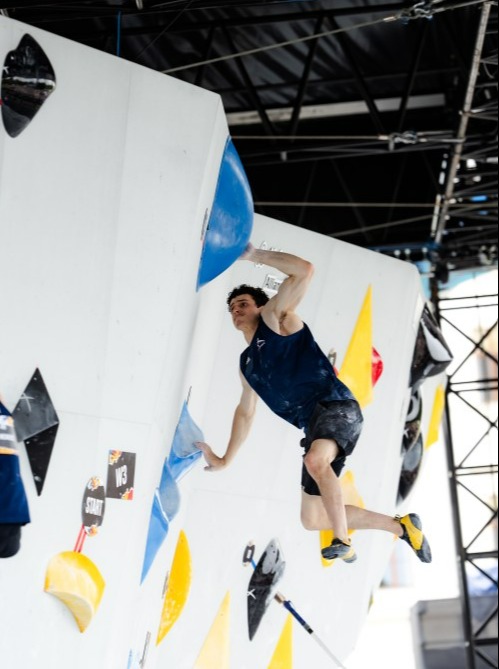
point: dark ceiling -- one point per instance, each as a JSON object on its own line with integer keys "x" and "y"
{"x": 374, "y": 122}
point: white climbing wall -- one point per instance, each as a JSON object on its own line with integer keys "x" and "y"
{"x": 102, "y": 203}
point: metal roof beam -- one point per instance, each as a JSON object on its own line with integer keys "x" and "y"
{"x": 295, "y": 117}
{"x": 411, "y": 76}
{"x": 352, "y": 108}
{"x": 262, "y": 113}
{"x": 348, "y": 81}
{"x": 361, "y": 82}
{"x": 100, "y": 11}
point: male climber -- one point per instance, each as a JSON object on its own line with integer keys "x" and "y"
{"x": 284, "y": 366}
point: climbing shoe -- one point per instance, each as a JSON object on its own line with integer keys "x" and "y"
{"x": 413, "y": 535}
{"x": 338, "y": 549}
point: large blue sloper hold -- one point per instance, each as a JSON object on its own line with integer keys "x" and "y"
{"x": 14, "y": 510}
{"x": 184, "y": 453}
{"x": 231, "y": 219}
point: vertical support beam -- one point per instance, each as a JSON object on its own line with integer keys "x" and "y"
{"x": 463, "y": 126}
{"x": 118, "y": 34}
{"x": 293, "y": 124}
{"x": 306, "y": 196}
{"x": 475, "y": 645}
{"x": 356, "y": 211}
{"x": 361, "y": 83}
{"x": 206, "y": 54}
{"x": 411, "y": 77}
{"x": 396, "y": 190}
{"x": 269, "y": 128}
{"x": 458, "y": 536}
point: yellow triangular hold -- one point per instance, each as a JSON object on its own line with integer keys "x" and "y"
{"x": 179, "y": 585}
{"x": 215, "y": 653}
{"x": 75, "y": 580}
{"x": 350, "y": 496}
{"x": 356, "y": 370}
{"x": 436, "y": 416}
{"x": 283, "y": 654}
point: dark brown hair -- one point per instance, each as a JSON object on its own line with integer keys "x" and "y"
{"x": 257, "y": 294}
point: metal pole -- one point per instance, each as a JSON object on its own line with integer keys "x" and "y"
{"x": 463, "y": 126}
{"x": 118, "y": 34}
{"x": 461, "y": 552}
{"x": 249, "y": 552}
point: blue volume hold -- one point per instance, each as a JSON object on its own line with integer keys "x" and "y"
{"x": 158, "y": 529}
{"x": 231, "y": 219}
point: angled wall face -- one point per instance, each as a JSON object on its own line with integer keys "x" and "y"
{"x": 103, "y": 196}
{"x": 258, "y": 496}
{"x": 103, "y": 199}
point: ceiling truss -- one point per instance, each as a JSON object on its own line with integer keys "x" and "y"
{"x": 372, "y": 122}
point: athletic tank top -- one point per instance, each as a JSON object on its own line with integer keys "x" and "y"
{"x": 290, "y": 373}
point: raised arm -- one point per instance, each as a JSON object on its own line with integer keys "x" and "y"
{"x": 241, "y": 425}
{"x": 280, "y": 309}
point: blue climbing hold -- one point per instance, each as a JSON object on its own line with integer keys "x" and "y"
{"x": 231, "y": 220}
{"x": 156, "y": 534}
{"x": 184, "y": 453}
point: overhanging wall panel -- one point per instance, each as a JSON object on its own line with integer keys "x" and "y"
{"x": 102, "y": 202}
{"x": 258, "y": 496}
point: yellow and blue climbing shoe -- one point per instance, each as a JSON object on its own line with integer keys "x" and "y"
{"x": 339, "y": 549}
{"x": 413, "y": 535}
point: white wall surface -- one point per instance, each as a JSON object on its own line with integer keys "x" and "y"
{"x": 102, "y": 201}
{"x": 258, "y": 496}
{"x": 101, "y": 207}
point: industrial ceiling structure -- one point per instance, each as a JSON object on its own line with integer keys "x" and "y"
{"x": 373, "y": 122}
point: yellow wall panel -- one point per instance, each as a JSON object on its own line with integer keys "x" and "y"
{"x": 215, "y": 653}
{"x": 283, "y": 654}
{"x": 436, "y": 416}
{"x": 356, "y": 370}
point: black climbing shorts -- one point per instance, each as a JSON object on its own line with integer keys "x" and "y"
{"x": 340, "y": 420}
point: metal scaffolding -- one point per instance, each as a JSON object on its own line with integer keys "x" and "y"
{"x": 471, "y": 467}
{"x": 472, "y": 385}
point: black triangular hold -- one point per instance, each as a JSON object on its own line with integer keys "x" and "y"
{"x": 28, "y": 79}
{"x": 263, "y": 584}
{"x": 431, "y": 353}
{"x": 39, "y": 450}
{"x": 34, "y": 412}
{"x": 411, "y": 466}
{"x": 412, "y": 428}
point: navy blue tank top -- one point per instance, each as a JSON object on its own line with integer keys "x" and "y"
{"x": 290, "y": 373}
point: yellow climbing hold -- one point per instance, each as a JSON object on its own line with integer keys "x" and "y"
{"x": 215, "y": 653}
{"x": 178, "y": 588}
{"x": 436, "y": 416}
{"x": 283, "y": 654}
{"x": 356, "y": 370}
{"x": 75, "y": 580}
